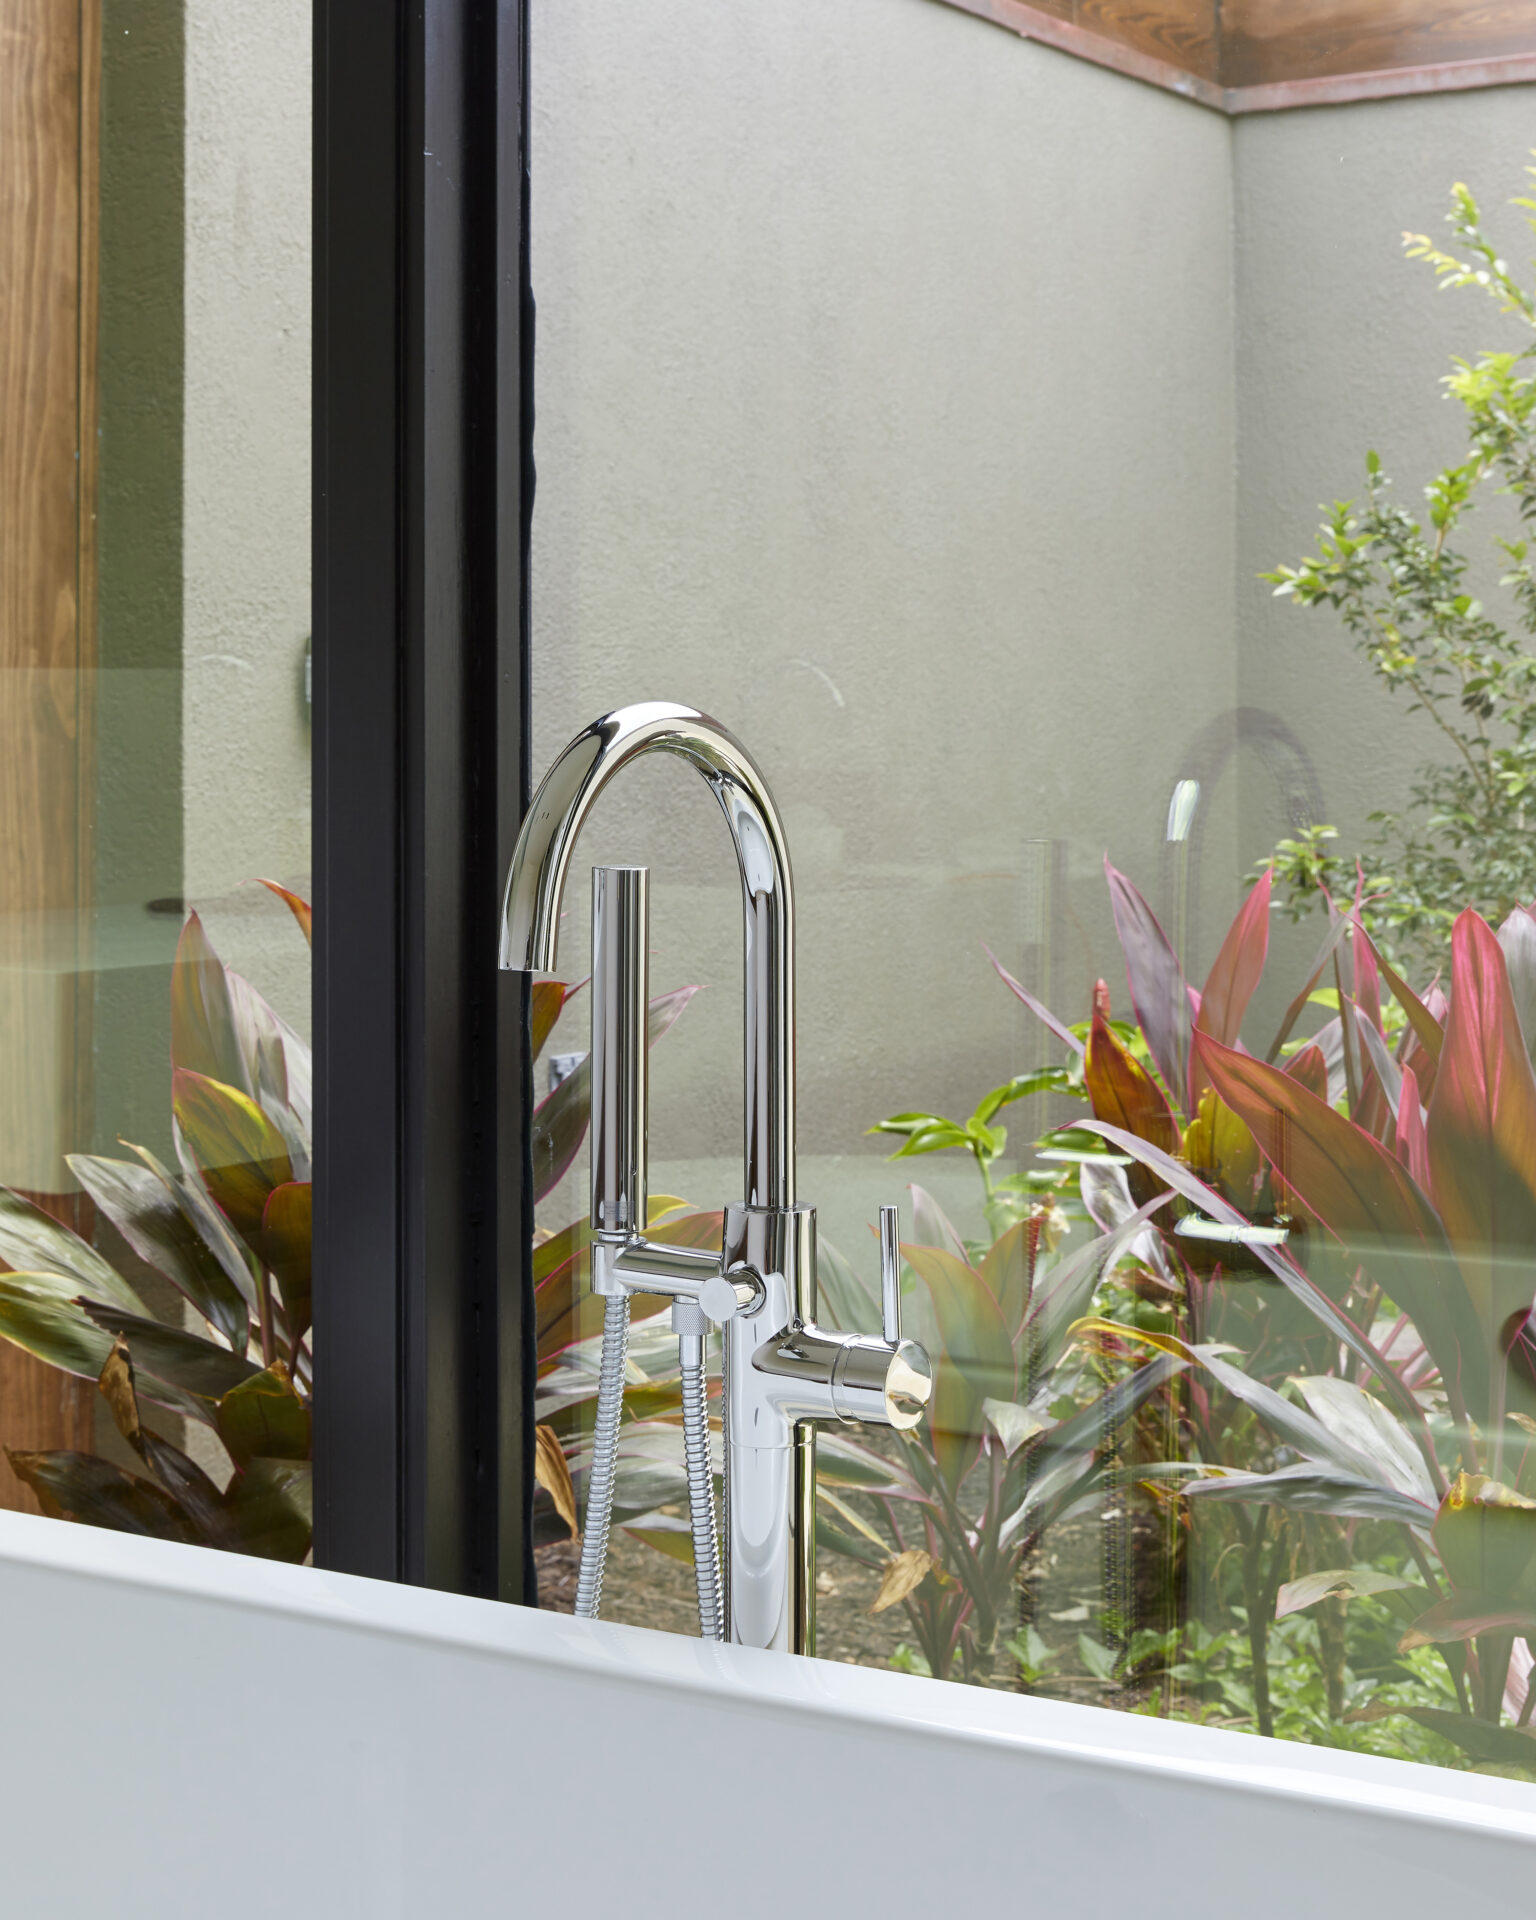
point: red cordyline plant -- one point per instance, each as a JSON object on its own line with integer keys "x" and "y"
{"x": 651, "y": 1479}
{"x": 1387, "y": 1181}
{"x": 224, "y": 1229}
{"x": 1011, "y": 1443}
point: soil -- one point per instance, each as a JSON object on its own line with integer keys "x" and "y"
{"x": 1063, "y": 1591}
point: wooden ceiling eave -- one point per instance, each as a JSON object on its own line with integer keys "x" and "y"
{"x": 1267, "y": 56}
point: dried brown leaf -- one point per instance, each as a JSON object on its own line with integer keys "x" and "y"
{"x": 116, "y": 1387}
{"x": 554, "y": 1476}
{"x": 902, "y": 1575}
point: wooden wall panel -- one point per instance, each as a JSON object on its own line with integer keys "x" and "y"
{"x": 49, "y": 50}
{"x": 1265, "y": 42}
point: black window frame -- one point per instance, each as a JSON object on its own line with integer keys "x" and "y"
{"x": 424, "y": 1345}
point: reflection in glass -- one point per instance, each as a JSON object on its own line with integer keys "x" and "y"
{"x": 943, "y": 414}
{"x": 154, "y": 1000}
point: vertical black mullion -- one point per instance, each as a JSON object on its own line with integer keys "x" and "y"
{"x": 501, "y": 502}
{"x": 357, "y": 592}
{"x": 421, "y": 775}
{"x": 514, "y": 708}
{"x": 438, "y": 1188}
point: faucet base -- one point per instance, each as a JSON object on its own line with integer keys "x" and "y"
{"x": 770, "y": 1458}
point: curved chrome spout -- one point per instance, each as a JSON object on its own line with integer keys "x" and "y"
{"x": 536, "y": 884}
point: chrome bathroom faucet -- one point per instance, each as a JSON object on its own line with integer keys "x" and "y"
{"x": 782, "y": 1373}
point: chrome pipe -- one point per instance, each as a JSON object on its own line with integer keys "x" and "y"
{"x": 621, "y": 926}
{"x": 783, "y": 1374}
{"x": 536, "y": 886}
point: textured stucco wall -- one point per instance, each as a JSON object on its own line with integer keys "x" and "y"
{"x": 1341, "y": 346}
{"x": 885, "y": 409}
{"x": 245, "y": 609}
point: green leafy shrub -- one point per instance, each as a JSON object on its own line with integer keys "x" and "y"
{"x": 1403, "y": 584}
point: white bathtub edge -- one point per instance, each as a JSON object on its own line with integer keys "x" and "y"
{"x": 634, "y": 1656}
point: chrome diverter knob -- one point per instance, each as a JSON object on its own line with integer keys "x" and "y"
{"x": 888, "y": 1380}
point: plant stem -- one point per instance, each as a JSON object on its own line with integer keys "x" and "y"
{"x": 1258, "y": 1625}
{"x": 1421, "y": 1559}
{"x": 264, "y": 1306}
{"x": 1333, "y": 1646}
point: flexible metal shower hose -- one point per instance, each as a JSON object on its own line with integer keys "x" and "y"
{"x": 605, "y": 1453}
{"x": 701, "y": 1486}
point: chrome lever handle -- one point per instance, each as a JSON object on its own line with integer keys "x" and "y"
{"x": 890, "y": 1275}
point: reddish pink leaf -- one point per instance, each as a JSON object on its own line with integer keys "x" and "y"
{"x": 1299, "y": 1005}
{"x": 548, "y": 999}
{"x": 1123, "y": 1092}
{"x": 1427, "y": 1027}
{"x": 1412, "y": 1141}
{"x": 977, "y": 1362}
{"x": 1237, "y": 969}
{"x": 1159, "y": 992}
{"x": 1364, "y": 1197}
{"x": 1482, "y": 1131}
{"x": 1310, "y": 1068}
{"x": 296, "y": 904}
{"x": 1041, "y": 1013}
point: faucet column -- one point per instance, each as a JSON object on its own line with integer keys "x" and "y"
{"x": 770, "y": 1455}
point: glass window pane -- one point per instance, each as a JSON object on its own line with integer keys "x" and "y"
{"x": 154, "y": 545}
{"x": 942, "y": 412}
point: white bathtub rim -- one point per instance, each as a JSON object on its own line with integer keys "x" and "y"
{"x": 637, "y": 1658}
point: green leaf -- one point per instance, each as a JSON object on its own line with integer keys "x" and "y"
{"x": 977, "y": 1360}
{"x": 148, "y": 1213}
{"x": 934, "y": 1136}
{"x": 1096, "y": 1657}
{"x": 94, "y": 1492}
{"x": 270, "y": 1507}
{"x": 841, "y": 1462}
{"x": 970, "y": 1323}
{"x": 1012, "y": 1423}
{"x": 286, "y": 1234}
{"x": 1462, "y": 1616}
{"x": 32, "y": 1241}
{"x": 40, "y": 1312}
{"x": 1020, "y": 1087}
{"x": 846, "y": 1301}
{"x": 1338, "y": 1583}
{"x": 183, "y": 1359}
{"x": 263, "y": 1416}
{"x": 240, "y": 1153}
{"x": 1310, "y": 1487}
{"x": 1485, "y": 1534}
{"x": 1008, "y": 1268}
{"x": 832, "y": 1539}
{"x": 234, "y": 1257}
{"x": 204, "y": 1037}
{"x": 675, "y": 1545}
{"x": 1495, "y": 1746}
